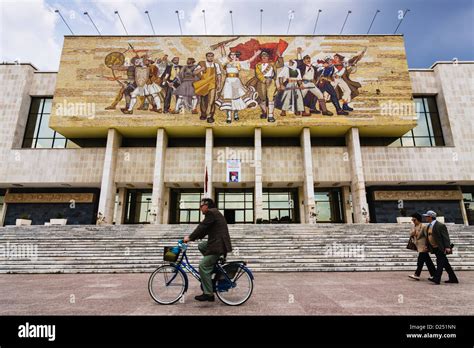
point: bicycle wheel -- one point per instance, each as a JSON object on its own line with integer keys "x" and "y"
{"x": 237, "y": 292}
{"x": 167, "y": 284}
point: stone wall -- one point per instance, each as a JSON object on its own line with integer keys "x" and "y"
{"x": 220, "y": 156}
{"x": 282, "y": 164}
{"x": 185, "y": 164}
{"x": 135, "y": 165}
{"x": 331, "y": 164}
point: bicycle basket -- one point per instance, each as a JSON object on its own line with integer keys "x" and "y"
{"x": 169, "y": 255}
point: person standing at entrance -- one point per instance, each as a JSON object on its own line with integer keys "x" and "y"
{"x": 418, "y": 232}
{"x": 214, "y": 226}
{"x": 440, "y": 245}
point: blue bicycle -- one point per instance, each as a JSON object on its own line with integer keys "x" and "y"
{"x": 232, "y": 281}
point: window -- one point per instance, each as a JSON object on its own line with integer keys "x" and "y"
{"x": 280, "y": 206}
{"x": 185, "y": 206}
{"x": 189, "y": 207}
{"x": 236, "y": 205}
{"x": 138, "y": 208}
{"x": 2, "y": 202}
{"x": 468, "y": 199}
{"x": 428, "y": 131}
{"x": 328, "y": 205}
{"x": 38, "y": 135}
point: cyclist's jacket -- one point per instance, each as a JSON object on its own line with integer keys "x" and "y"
{"x": 214, "y": 226}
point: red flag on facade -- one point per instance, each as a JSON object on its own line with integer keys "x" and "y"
{"x": 247, "y": 49}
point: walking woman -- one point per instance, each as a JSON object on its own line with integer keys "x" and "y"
{"x": 418, "y": 232}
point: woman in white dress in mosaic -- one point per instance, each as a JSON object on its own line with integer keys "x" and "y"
{"x": 234, "y": 95}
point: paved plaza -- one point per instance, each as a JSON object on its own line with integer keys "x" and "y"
{"x": 303, "y": 293}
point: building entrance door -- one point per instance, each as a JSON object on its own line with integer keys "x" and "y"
{"x": 328, "y": 205}
{"x": 469, "y": 205}
{"x": 184, "y": 206}
{"x": 236, "y": 205}
{"x": 280, "y": 205}
{"x": 229, "y": 215}
{"x": 138, "y": 207}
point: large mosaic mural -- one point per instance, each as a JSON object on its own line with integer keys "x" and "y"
{"x": 208, "y": 81}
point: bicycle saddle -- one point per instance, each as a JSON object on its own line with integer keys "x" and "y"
{"x": 222, "y": 259}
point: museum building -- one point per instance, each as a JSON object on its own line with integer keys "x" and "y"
{"x": 138, "y": 171}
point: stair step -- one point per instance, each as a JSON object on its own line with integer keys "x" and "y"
{"x": 269, "y": 248}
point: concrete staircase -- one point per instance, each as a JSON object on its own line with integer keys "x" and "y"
{"x": 139, "y": 248}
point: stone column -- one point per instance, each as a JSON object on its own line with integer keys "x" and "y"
{"x": 166, "y": 206}
{"x": 359, "y": 199}
{"x": 301, "y": 204}
{"x": 463, "y": 212}
{"x": 208, "y": 189}
{"x": 120, "y": 209}
{"x": 346, "y": 205}
{"x": 108, "y": 187}
{"x": 258, "y": 195}
{"x": 158, "y": 193}
{"x": 3, "y": 211}
{"x": 308, "y": 185}
{"x": 463, "y": 209}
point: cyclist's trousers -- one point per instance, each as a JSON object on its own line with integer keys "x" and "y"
{"x": 206, "y": 266}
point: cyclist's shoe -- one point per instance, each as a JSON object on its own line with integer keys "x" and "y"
{"x": 205, "y": 297}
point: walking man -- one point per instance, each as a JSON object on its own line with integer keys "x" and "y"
{"x": 440, "y": 245}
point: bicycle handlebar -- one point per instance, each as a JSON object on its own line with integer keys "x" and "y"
{"x": 182, "y": 244}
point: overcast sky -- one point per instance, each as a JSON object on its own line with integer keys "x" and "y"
{"x": 30, "y": 30}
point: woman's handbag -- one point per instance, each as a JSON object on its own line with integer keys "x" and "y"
{"x": 411, "y": 244}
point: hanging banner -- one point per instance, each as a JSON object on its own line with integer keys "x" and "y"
{"x": 233, "y": 171}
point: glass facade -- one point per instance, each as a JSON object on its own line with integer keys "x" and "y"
{"x": 184, "y": 207}
{"x": 468, "y": 199}
{"x": 38, "y": 135}
{"x": 280, "y": 206}
{"x": 138, "y": 207}
{"x": 328, "y": 205}
{"x": 2, "y": 200}
{"x": 428, "y": 132}
{"x": 236, "y": 205}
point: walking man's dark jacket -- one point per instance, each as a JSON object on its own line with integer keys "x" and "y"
{"x": 441, "y": 236}
{"x": 214, "y": 226}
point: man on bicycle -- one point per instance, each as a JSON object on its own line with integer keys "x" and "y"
{"x": 214, "y": 226}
